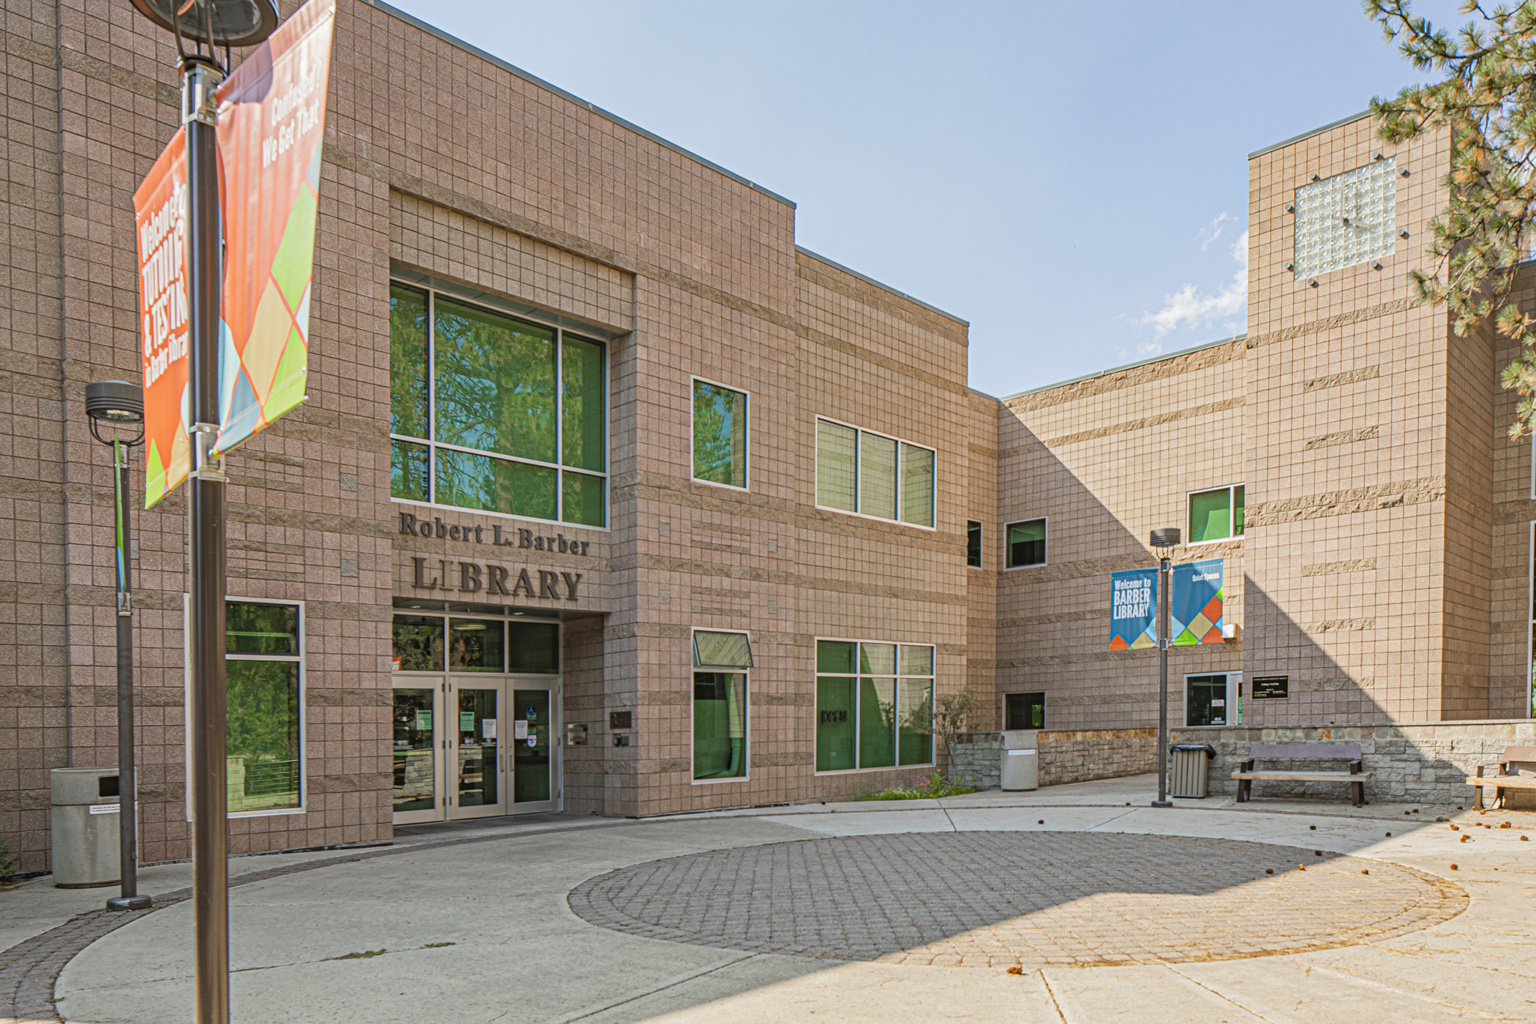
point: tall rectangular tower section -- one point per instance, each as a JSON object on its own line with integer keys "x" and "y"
{"x": 1369, "y": 450}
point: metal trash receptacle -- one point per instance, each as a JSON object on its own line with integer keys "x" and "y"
{"x": 1189, "y": 769}
{"x": 1021, "y": 761}
{"x": 84, "y": 816}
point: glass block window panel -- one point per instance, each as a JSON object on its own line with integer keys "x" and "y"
{"x": 719, "y": 725}
{"x": 877, "y": 476}
{"x": 1346, "y": 219}
{"x": 973, "y": 544}
{"x": 917, "y": 485}
{"x": 719, "y": 434}
{"x": 837, "y": 456}
{"x": 494, "y": 413}
{"x": 1216, "y": 514}
{"x": 721, "y": 650}
{"x": 1026, "y": 543}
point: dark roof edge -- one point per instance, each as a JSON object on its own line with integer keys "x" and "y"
{"x": 1307, "y": 135}
{"x": 802, "y": 250}
{"x": 416, "y": 22}
{"x": 1127, "y": 366}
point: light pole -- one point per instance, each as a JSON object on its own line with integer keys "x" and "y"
{"x": 210, "y": 23}
{"x": 115, "y": 405}
{"x": 1164, "y": 539}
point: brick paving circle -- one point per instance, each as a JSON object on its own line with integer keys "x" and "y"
{"x": 1035, "y": 899}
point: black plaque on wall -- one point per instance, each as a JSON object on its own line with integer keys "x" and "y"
{"x": 1271, "y": 687}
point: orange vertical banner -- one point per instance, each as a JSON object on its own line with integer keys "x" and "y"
{"x": 160, "y": 224}
{"x": 271, "y": 125}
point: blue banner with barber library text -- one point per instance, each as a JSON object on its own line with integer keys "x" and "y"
{"x": 1133, "y": 610}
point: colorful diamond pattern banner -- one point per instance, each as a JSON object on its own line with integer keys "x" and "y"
{"x": 1195, "y": 612}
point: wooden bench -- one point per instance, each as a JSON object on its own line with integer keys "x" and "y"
{"x": 1503, "y": 780}
{"x": 1307, "y": 751}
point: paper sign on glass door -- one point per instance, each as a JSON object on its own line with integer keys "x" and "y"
{"x": 488, "y": 728}
{"x": 519, "y": 729}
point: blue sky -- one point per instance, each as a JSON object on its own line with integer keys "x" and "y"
{"x": 1071, "y": 179}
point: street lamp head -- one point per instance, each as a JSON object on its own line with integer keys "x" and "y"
{"x": 1166, "y": 537}
{"x": 215, "y": 22}
{"x": 115, "y": 402}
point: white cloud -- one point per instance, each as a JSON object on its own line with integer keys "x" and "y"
{"x": 1188, "y": 307}
{"x": 1212, "y": 231}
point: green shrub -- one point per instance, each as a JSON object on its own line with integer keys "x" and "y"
{"x": 930, "y": 788}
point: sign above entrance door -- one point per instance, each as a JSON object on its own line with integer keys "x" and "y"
{"x": 411, "y": 526}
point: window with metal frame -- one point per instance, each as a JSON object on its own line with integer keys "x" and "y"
{"x": 719, "y": 434}
{"x": 1216, "y": 514}
{"x": 495, "y": 413}
{"x": 1025, "y": 542}
{"x": 264, "y": 670}
{"x": 720, "y": 709}
{"x": 1024, "y": 710}
{"x": 874, "y": 475}
{"x": 973, "y": 544}
{"x": 874, "y": 705}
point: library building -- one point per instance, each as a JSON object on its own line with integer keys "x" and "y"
{"x": 608, "y": 498}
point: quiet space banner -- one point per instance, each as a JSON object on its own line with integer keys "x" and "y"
{"x": 1195, "y": 609}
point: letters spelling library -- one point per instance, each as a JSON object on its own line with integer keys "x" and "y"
{"x": 609, "y": 498}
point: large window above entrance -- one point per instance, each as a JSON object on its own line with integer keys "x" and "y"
{"x": 437, "y": 643}
{"x": 495, "y": 413}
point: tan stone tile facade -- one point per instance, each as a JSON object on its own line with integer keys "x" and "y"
{"x": 1375, "y": 570}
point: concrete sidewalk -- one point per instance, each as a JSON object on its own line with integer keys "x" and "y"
{"x": 476, "y": 924}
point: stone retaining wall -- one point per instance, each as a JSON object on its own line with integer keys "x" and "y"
{"x": 1065, "y": 755}
{"x": 1408, "y": 762}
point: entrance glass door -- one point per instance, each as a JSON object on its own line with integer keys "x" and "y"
{"x": 533, "y": 752}
{"x": 416, "y": 765}
{"x": 477, "y": 788}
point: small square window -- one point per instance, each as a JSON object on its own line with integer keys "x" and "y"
{"x": 973, "y": 544}
{"x": 1024, "y": 710}
{"x": 1026, "y": 543}
{"x": 1216, "y": 514}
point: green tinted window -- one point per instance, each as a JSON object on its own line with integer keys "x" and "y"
{"x": 973, "y": 544}
{"x": 261, "y": 628}
{"x": 493, "y": 390}
{"x": 418, "y": 643}
{"x": 583, "y": 396}
{"x": 262, "y": 719}
{"x": 916, "y": 721}
{"x": 1237, "y": 510}
{"x": 719, "y": 434}
{"x": 407, "y": 362}
{"x": 835, "y": 719}
{"x": 877, "y": 723}
{"x": 495, "y": 485}
{"x": 719, "y": 725}
{"x": 533, "y": 647}
{"x": 495, "y": 383}
{"x": 835, "y": 656}
{"x": 1210, "y": 515}
{"x": 475, "y": 645}
{"x": 1026, "y": 543}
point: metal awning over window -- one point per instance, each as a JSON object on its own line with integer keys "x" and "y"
{"x": 721, "y": 650}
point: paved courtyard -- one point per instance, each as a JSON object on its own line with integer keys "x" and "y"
{"x": 1104, "y": 909}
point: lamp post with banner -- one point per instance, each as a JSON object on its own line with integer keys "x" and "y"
{"x": 200, "y": 28}
{"x": 1163, "y": 539}
{"x": 116, "y": 405}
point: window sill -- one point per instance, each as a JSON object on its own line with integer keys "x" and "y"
{"x": 866, "y": 771}
{"x": 876, "y": 519}
{"x": 716, "y": 483}
{"x": 717, "y": 782}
